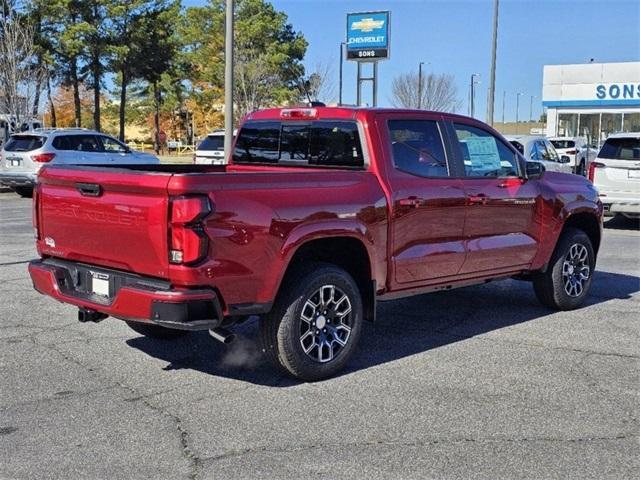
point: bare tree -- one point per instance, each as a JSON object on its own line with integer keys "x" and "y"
{"x": 439, "y": 92}
{"x": 321, "y": 85}
{"x": 20, "y": 73}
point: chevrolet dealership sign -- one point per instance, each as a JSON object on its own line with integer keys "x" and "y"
{"x": 368, "y": 36}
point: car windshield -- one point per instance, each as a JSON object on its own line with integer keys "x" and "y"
{"x": 621, "y": 149}
{"x": 563, "y": 143}
{"x": 212, "y": 142}
{"x": 24, "y": 143}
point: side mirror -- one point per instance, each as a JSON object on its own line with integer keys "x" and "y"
{"x": 565, "y": 159}
{"x": 534, "y": 170}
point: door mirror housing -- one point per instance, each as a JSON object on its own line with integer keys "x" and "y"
{"x": 534, "y": 170}
{"x": 565, "y": 159}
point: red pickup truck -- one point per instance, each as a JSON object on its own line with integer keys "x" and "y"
{"x": 320, "y": 213}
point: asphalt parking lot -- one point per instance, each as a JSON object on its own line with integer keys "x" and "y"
{"x": 481, "y": 382}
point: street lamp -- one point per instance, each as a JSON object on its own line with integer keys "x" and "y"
{"x": 472, "y": 93}
{"x": 340, "y": 82}
{"x": 492, "y": 79}
{"x": 504, "y": 101}
{"x": 420, "y": 83}
{"x": 517, "y": 108}
{"x": 531, "y": 108}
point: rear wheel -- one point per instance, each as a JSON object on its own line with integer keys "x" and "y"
{"x": 567, "y": 280}
{"x": 24, "y": 192}
{"x": 156, "y": 331}
{"x": 315, "y": 325}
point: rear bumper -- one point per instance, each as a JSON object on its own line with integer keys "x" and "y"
{"x": 622, "y": 204}
{"x": 17, "y": 179}
{"x": 131, "y": 297}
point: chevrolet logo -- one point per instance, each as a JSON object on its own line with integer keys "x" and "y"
{"x": 367, "y": 25}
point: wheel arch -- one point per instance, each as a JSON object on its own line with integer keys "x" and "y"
{"x": 346, "y": 251}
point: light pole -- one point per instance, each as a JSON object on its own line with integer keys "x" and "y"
{"x": 531, "y": 108}
{"x": 228, "y": 79}
{"x": 504, "y": 101}
{"x": 420, "y": 83}
{"x": 517, "y": 108}
{"x": 472, "y": 94}
{"x": 340, "y": 82}
{"x": 494, "y": 47}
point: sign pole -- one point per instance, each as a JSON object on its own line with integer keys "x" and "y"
{"x": 375, "y": 84}
{"x": 359, "y": 89}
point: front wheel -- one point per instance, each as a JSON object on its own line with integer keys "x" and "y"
{"x": 315, "y": 325}
{"x": 566, "y": 283}
{"x": 24, "y": 192}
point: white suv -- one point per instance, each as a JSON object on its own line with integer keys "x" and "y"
{"x": 577, "y": 149}
{"x": 210, "y": 150}
{"x": 616, "y": 174}
{"x": 25, "y": 153}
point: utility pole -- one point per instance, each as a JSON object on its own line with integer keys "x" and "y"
{"x": 531, "y": 108}
{"x": 504, "y": 101}
{"x": 420, "y": 85}
{"x": 492, "y": 81}
{"x": 472, "y": 94}
{"x": 228, "y": 80}
{"x": 517, "y": 108}
{"x": 340, "y": 82}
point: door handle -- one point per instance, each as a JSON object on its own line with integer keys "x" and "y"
{"x": 411, "y": 202}
{"x": 89, "y": 189}
{"x": 480, "y": 199}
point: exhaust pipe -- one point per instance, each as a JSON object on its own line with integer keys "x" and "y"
{"x": 86, "y": 315}
{"x": 222, "y": 335}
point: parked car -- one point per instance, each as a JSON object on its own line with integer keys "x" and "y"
{"x": 616, "y": 174}
{"x": 578, "y": 151}
{"x": 321, "y": 213}
{"x": 210, "y": 151}
{"x": 25, "y": 153}
{"x": 540, "y": 149}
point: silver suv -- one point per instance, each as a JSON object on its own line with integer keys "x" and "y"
{"x": 25, "y": 153}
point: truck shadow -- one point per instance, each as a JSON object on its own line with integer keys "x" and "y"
{"x": 403, "y": 328}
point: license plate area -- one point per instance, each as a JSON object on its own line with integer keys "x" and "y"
{"x": 100, "y": 284}
{"x": 14, "y": 162}
{"x": 633, "y": 173}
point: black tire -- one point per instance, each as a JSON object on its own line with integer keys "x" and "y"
{"x": 24, "y": 192}
{"x": 557, "y": 288}
{"x": 283, "y": 331}
{"x": 156, "y": 331}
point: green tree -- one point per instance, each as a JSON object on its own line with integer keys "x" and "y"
{"x": 128, "y": 42}
{"x": 268, "y": 53}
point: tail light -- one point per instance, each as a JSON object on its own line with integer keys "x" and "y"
{"x": 295, "y": 113}
{"x": 34, "y": 213}
{"x": 43, "y": 157}
{"x": 571, "y": 152}
{"x": 188, "y": 239}
{"x": 592, "y": 169}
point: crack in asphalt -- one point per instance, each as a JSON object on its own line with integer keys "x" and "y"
{"x": 412, "y": 443}
{"x": 186, "y": 450}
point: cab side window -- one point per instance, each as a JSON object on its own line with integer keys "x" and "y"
{"x": 484, "y": 155}
{"x": 416, "y": 147}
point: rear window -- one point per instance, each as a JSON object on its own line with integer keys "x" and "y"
{"x": 621, "y": 149}
{"x": 212, "y": 142}
{"x": 563, "y": 143}
{"x": 325, "y": 143}
{"x": 24, "y": 143}
{"x": 518, "y": 146}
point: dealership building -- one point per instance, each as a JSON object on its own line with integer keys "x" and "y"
{"x": 592, "y": 100}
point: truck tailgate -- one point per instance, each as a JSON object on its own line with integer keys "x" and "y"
{"x": 104, "y": 216}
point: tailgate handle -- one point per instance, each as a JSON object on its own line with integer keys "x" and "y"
{"x": 89, "y": 189}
